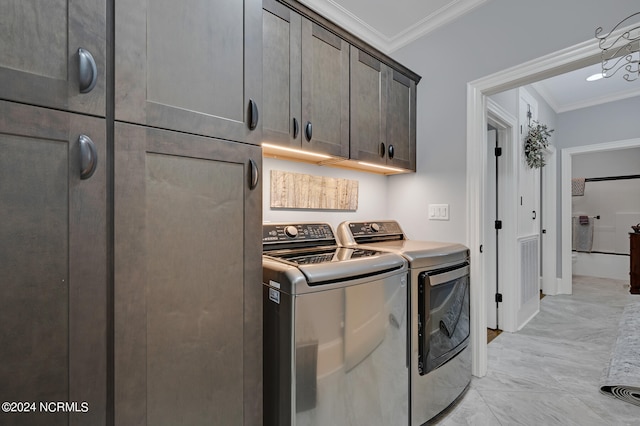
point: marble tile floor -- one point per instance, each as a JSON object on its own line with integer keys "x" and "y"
{"x": 549, "y": 372}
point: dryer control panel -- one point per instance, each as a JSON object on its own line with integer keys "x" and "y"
{"x": 361, "y": 232}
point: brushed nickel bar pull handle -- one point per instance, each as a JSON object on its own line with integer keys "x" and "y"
{"x": 87, "y": 71}
{"x": 88, "y": 157}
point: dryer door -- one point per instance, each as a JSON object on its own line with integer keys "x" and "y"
{"x": 443, "y": 309}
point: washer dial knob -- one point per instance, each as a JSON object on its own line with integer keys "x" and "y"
{"x": 291, "y": 231}
{"x": 375, "y": 227}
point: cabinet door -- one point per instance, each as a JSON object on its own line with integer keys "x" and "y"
{"x": 281, "y": 39}
{"x": 325, "y": 91}
{"x": 191, "y": 66}
{"x": 39, "y": 61}
{"x": 401, "y": 122}
{"x": 53, "y": 245}
{"x": 188, "y": 305}
{"x": 368, "y": 108}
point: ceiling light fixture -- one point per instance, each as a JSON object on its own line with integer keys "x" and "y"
{"x": 595, "y": 77}
{"x": 621, "y": 50}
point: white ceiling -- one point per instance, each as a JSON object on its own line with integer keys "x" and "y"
{"x": 570, "y": 91}
{"x": 389, "y": 25}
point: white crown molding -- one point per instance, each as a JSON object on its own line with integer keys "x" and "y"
{"x": 331, "y": 10}
{"x": 559, "y": 108}
{"x": 437, "y": 19}
{"x": 610, "y": 97}
{"x": 350, "y": 22}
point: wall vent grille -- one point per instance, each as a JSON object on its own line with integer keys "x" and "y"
{"x": 529, "y": 269}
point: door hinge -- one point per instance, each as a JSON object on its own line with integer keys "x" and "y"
{"x": 498, "y": 297}
{"x": 498, "y": 151}
{"x": 498, "y": 224}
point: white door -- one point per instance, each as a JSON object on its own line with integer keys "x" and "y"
{"x": 528, "y": 234}
{"x": 490, "y": 240}
{"x": 549, "y": 283}
{"x": 496, "y": 218}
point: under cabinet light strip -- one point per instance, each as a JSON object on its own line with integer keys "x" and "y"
{"x": 377, "y": 166}
{"x": 293, "y": 150}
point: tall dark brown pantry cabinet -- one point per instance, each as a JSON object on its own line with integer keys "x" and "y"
{"x": 53, "y": 285}
{"x": 53, "y": 213}
{"x": 187, "y": 213}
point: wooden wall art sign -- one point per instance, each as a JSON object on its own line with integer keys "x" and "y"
{"x": 302, "y": 191}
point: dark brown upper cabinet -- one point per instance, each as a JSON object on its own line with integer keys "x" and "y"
{"x": 282, "y": 72}
{"x": 190, "y": 66}
{"x": 401, "y": 121}
{"x": 382, "y": 113}
{"x": 306, "y": 83}
{"x": 52, "y": 54}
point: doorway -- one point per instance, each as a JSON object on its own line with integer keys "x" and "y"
{"x": 569, "y": 59}
{"x": 500, "y": 212}
{"x": 566, "y": 286}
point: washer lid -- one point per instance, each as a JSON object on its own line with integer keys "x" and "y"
{"x": 329, "y": 266}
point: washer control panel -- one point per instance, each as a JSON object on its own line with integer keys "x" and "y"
{"x": 300, "y": 232}
{"x": 362, "y": 229}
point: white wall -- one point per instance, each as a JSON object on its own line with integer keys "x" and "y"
{"x": 495, "y": 36}
{"x": 601, "y": 123}
{"x": 372, "y": 195}
{"x": 620, "y": 162}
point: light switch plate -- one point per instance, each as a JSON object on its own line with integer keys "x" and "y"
{"x": 438, "y": 211}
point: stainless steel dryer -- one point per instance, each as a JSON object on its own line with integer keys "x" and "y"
{"x": 439, "y": 312}
{"x": 335, "y": 330}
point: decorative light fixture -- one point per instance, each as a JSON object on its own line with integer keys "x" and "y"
{"x": 621, "y": 51}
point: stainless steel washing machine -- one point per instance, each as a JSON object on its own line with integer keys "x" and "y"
{"x": 335, "y": 330}
{"x": 439, "y": 312}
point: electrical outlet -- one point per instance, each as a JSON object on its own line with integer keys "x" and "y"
{"x": 438, "y": 211}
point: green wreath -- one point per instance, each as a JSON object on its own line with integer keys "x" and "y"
{"x": 535, "y": 142}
